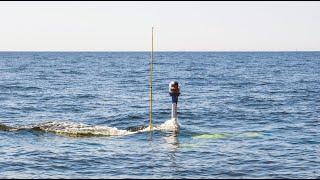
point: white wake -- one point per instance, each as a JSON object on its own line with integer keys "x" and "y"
{"x": 80, "y": 129}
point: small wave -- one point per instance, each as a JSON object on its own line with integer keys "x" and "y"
{"x": 79, "y": 129}
{"x": 72, "y": 72}
{"x": 19, "y": 88}
{"x": 86, "y": 96}
{"x": 7, "y": 128}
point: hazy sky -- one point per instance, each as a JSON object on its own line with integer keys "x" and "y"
{"x": 126, "y": 26}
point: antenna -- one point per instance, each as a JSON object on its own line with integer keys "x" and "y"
{"x": 151, "y": 71}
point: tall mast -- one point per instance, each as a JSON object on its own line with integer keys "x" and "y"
{"x": 151, "y": 71}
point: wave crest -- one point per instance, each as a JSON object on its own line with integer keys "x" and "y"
{"x": 79, "y": 129}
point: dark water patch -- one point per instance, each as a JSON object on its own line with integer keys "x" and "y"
{"x": 19, "y": 88}
{"x": 136, "y": 128}
{"x": 86, "y": 96}
{"x": 73, "y": 72}
{"x": 133, "y": 117}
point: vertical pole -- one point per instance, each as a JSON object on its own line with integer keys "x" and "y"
{"x": 174, "y": 111}
{"x": 151, "y": 69}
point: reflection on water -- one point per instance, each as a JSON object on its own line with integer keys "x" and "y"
{"x": 172, "y": 141}
{"x": 172, "y": 146}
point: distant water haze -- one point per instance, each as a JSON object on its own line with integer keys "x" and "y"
{"x": 179, "y": 26}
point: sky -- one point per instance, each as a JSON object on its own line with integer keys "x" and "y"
{"x": 179, "y": 26}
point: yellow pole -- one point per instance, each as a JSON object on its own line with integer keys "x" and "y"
{"x": 151, "y": 69}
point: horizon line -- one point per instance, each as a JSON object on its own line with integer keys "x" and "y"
{"x": 160, "y": 51}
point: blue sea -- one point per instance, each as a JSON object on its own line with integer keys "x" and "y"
{"x": 242, "y": 115}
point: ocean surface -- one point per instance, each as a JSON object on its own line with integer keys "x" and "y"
{"x": 242, "y": 115}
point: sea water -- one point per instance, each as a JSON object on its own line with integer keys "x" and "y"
{"x": 241, "y": 115}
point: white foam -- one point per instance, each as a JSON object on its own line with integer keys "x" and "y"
{"x": 80, "y": 129}
{"x": 170, "y": 125}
